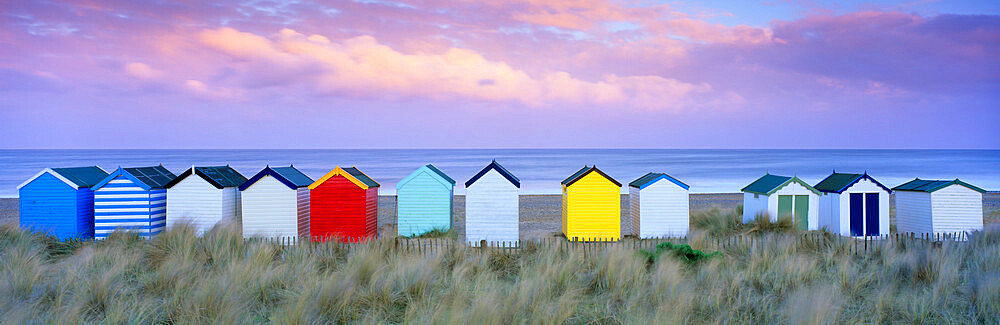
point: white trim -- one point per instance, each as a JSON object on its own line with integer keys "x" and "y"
{"x": 50, "y": 171}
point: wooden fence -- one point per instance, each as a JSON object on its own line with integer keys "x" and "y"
{"x": 852, "y": 245}
{"x": 734, "y": 244}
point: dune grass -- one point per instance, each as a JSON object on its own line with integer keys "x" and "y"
{"x": 179, "y": 277}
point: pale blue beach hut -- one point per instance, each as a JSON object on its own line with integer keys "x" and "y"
{"x": 60, "y": 202}
{"x": 133, "y": 199}
{"x": 424, "y": 201}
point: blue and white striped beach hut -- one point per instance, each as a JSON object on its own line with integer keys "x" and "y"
{"x": 424, "y": 201}
{"x": 60, "y": 202}
{"x": 132, "y": 199}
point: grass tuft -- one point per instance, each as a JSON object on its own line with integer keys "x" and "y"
{"x": 772, "y": 277}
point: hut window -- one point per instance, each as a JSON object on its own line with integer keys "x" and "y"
{"x": 756, "y": 196}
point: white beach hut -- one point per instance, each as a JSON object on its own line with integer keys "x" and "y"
{"x": 491, "y": 206}
{"x": 276, "y": 203}
{"x": 938, "y": 207}
{"x": 659, "y": 206}
{"x": 782, "y": 196}
{"x": 206, "y": 200}
{"x": 853, "y": 205}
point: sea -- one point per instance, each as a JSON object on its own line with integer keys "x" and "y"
{"x": 541, "y": 170}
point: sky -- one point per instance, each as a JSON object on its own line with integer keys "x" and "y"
{"x": 500, "y": 74}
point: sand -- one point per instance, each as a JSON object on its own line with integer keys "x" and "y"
{"x": 540, "y": 214}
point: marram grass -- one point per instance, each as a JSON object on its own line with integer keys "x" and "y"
{"x": 179, "y": 277}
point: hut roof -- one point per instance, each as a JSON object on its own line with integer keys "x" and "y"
{"x": 497, "y": 167}
{"x": 290, "y": 176}
{"x": 929, "y": 185}
{"x": 440, "y": 173}
{"x": 76, "y": 177}
{"x": 218, "y": 176}
{"x": 839, "y": 182}
{"x": 583, "y": 172}
{"x": 651, "y": 178}
{"x": 768, "y": 184}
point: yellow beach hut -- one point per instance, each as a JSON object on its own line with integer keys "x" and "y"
{"x": 591, "y": 206}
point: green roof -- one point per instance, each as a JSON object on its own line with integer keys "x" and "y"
{"x": 839, "y": 182}
{"x": 836, "y": 182}
{"x": 768, "y": 184}
{"x": 354, "y": 171}
{"x": 82, "y": 176}
{"x": 930, "y": 185}
{"x": 440, "y": 173}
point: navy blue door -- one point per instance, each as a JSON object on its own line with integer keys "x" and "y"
{"x": 857, "y": 214}
{"x": 871, "y": 214}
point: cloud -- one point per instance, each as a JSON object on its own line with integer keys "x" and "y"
{"x": 204, "y": 91}
{"x": 363, "y": 67}
{"x": 142, "y": 71}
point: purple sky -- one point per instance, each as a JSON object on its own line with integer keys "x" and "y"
{"x": 523, "y": 73}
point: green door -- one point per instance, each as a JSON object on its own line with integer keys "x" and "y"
{"x": 784, "y": 206}
{"x": 802, "y": 212}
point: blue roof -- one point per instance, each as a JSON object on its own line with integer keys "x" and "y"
{"x": 290, "y": 176}
{"x": 650, "y": 178}
{"x": 494, "y": 166}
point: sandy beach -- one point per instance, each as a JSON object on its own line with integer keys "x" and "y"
{"x": 540, "y": 214}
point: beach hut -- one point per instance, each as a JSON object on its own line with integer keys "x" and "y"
{"x": 209, "y": 198}
{"x": 853, "y": 205}
{"x": 938, "y": 207}
{"x": 276, "y": 203}
{"x": 658, "y": 206}
{"x": 343, "y": 203}
{"x": 782, "y": 196}
{"x": 491, "y": 206}
{"x": 133, "y": 199}
{"x": 60, "y": 202}
{"x": 424, "y": 201}
{"x": 591, "y": 206}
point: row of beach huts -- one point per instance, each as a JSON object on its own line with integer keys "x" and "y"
{"x": 88, "y": 202}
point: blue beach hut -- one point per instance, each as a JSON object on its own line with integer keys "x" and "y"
{"x": 132, "y": 199}
{"x": 60, "y": 202}
{"x": 424, "y": 201}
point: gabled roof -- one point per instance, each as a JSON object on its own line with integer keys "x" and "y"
{"x": 146, "y": 177}
{"x": 218, "y": 176}
{"x": 435, "y": 173}
{"x": 929, "y": 186}
{"x": 768, "y": 184}
{"x": 352, "y": 174}
{"x": 583, "y": 172}
{"x": 440, "y": 173}
{"x": 75, "y": 177}
{"x": 290, "y": 176}
{"x": 651, "y": 178}
{"x": 839, "y": 182}
{"x": 502, "y": 171}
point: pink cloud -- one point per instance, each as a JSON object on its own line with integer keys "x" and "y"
{"x": 362, "y": 66}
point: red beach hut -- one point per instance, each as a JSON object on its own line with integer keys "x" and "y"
{"x": 344, "y": 204}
